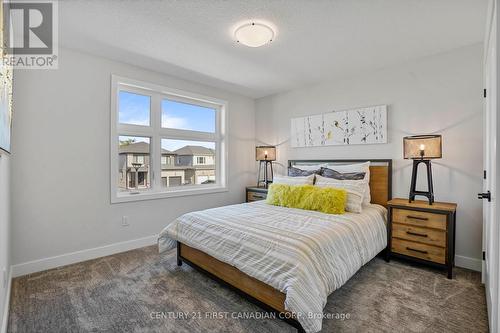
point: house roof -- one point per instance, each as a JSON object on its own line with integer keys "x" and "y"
{"x": 194, "y": 150}
{"x": 138, "y": 148}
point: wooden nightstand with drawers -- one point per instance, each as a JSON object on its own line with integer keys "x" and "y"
{"x": 255, "y": 193}
{"x": 422, "y": 232}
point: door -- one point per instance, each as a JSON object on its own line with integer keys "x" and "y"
{"x": 491, "y": 229}
{"x": 175, "y": 181}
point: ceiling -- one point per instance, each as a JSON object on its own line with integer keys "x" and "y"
{"x": 316, "y": 40}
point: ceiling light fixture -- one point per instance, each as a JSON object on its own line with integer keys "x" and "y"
{"x": 254, "y": 34}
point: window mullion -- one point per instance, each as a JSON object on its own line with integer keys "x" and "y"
{"x": 222, "y": 149}
{"x": 156, "y": 125}
{"x": 133, "y": 130}
{"x": 187, "y": 135}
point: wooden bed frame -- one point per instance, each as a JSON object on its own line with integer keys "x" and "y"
{"x": 263, "y": 294}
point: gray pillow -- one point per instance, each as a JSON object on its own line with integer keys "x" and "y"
{"x": 329, "y": 173}
{"x": 296, "y": 172}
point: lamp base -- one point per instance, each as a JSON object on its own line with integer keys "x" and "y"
{"x": 265, "y": 181}
{"x": 430, "y": 190}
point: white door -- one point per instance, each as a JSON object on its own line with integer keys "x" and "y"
{"x": 491, "y": 236}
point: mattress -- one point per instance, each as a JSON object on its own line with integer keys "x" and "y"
{"x": 304, "y": 254}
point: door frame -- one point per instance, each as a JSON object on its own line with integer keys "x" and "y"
{"x": 491, "y": 228}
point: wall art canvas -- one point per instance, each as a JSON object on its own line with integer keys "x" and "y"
{"x": 366, "y": 125}
{"x": 5, "y": 92}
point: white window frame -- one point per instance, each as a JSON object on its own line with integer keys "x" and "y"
{"x": 139, "y": 159}
{"x": 155, "y": 132}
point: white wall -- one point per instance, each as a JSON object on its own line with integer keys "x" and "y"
{"x": 61, "y": 161}
{"x": 4, "y": 232}
{"x": 438, "y": 94}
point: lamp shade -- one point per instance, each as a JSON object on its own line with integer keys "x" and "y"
{"x": 265, "y": 153}
{"x": 424, "y": 147}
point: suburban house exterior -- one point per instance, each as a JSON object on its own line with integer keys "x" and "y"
{"x": 131, "y": 154}
{"x": 198, "y": 163}
{"x": 185, "y": 166}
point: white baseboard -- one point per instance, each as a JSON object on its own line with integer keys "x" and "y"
{"x": 5, "y": 318}
{"x": 467, "y": 262}
{"x": 78, "y": 256}
{"x": 88, "y": 254}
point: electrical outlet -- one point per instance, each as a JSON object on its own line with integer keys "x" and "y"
{"x": 125, "y": 222}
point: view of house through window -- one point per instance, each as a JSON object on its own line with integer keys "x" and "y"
{"x": 184, "y": 167}
{"x": 133, "y": 163}
{"x": 151, "y": 154}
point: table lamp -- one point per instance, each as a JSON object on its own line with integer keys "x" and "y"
{"x": 266, "y": 155}
{"x": 422, "y": 149}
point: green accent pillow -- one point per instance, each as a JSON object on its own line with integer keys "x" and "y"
{"x": 327, "y": 200}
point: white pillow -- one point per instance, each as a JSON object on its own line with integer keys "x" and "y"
{"x": 355, "y": 191}
{"x": 358, "y": 167}
{"x": 306, "y": 180}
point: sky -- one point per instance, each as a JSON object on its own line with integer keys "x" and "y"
{"x": 134, "y": 109}
{"x": 187, "y": 116}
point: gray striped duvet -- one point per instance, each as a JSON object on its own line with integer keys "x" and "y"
{"x": 304, "y": 254}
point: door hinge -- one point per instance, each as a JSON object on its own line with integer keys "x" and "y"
{"x": 484, "y": 255}
{"x": 484, "y": 93}
{"x": 484, "y": 174}
{"x": 484, "y": 195}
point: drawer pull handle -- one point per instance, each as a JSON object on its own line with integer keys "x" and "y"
{"x": 418, "y": 218}
{"x": 258, "y": 196}
{"x": 415, "y": 250}
{"x": 416, "y": 234}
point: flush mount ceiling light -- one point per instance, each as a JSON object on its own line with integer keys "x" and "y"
{"x": 254, "y": 34}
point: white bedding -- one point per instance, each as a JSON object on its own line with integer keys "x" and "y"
{"x": 304, "y": 254}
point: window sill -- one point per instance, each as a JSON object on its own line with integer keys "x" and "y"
{"x": 150, "y": 195}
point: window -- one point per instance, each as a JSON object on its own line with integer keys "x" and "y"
{"x": 165, "y": 142}
{"x": 139, "y": 159}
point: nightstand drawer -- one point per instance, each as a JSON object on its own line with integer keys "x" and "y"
{"x": 418, "y": 234}
{"x": 418, "y": 218}
{"x": 255, "y": 196}
{"x": 418, "y": 250}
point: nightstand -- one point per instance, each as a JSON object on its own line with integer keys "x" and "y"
{"x": 421, "y": 232}
{"x": 255, "y": 193}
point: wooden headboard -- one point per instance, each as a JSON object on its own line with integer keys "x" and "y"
{"x": 380, "y": 176}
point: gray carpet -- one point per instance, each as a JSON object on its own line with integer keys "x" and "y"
{"x": 122, "y": 292}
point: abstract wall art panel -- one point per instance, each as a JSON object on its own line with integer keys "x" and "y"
{"x": 366, "y": 125}
{"x": 6, "y": 74}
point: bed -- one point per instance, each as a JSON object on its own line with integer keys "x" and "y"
{"x": 286, "y": 260}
